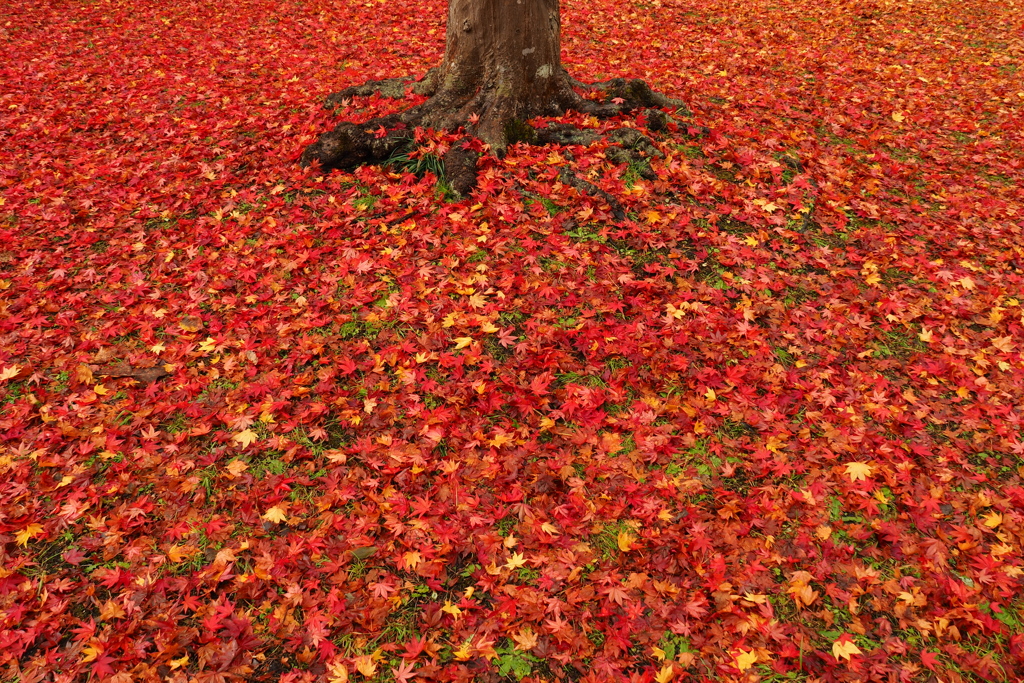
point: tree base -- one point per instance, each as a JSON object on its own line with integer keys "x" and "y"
{"x": 495, "y": 120}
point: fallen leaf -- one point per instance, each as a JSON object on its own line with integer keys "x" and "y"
{"x": 858, "y": 471}
{"x": 993, "y": 519}
{"x": 515, "y": 561}
{"x": 364, "y": 552}
{"x": 525, "y": 639}
{"x": 236, "y": 467}
{"x": 245, "y": 438}
{"x": 746, "y": 659}
{"x": 337, "y": 673}
{"x": 275, "y": 514}
{"x": 28, "y": 533}
{"x": 845, "y": 649}
{"x": 365, "y": 665}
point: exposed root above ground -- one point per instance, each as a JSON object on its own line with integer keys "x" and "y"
{"x": 494, "y": 119}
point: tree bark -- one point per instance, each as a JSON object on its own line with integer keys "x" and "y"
{"x": 502, "y": 66}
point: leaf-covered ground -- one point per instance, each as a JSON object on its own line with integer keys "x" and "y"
{"x": 265, "y": 424}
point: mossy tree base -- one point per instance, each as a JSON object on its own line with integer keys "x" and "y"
{"x": 495, "y": 120}
{"x": 502, "y": 67}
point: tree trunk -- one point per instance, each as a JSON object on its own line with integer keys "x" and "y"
{"x": 502, "y": 65}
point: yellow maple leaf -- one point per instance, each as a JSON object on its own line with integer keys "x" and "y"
{"x": 275, "y": 515}
{"x": 101, "y": 390}
{"x": 665, "y": 674}
{"x": 925, "y": 335}
{"x": 489, "y": 328}
{"x": 208, "y": 345}
{"x": 769, "y": 207}
{"x": 9, "y": 372}
{"x": 898, "y": 117}
{"x": 526, "y": 639}
{"x": 845, "y": 649}
{"x": 338, "y": 673}
{"x": 1004, "y": 344}
{"x": 625, "y": 541}
{"x": 858, "y": 471}
{"x": 1000, "y": 549}
{"x": 412, "y": 559}
{"x": 745, "y": 660}
{"x": 992, "y": 520}
{"x": 451, "y": 609}
{"x": 111, "y": 610}
{"x": 800, "y": 589}
{"x": 463, "y": 653}
{"x": 177, "y": 553}
{"x": 245, "y": 438}
{"x": 180, "y": 662}
{"x": 463, "y": 342}
{"x": 658, "y": 653}
{"x": 236, "y": 467}
{"x": 499, "y": 440}
{"x": 28, "y": 533}
{"x": 91, "y": 652}
{"x": 550, "y": 528}
{"x": 365, "y": 665}
{"x": 517, "y": 560}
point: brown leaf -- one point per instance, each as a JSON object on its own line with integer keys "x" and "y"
{"x": 146, "y": 375}
{"x": 84, "y": 374}
{"x": 364, "y": 552}
{"x": 190, "y": 323}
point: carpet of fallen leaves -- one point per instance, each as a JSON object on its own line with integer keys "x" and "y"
{"x": 262, "y": 423}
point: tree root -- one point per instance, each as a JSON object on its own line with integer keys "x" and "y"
{"x": 460, "y": 168}
{"x": 569, "y": 178}
{"x": 395, "y": 88}
{"x": 494, "y": 121}
{"x": 634, "y": 94}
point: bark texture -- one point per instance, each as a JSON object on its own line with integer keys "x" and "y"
{"x": 503, "y": 64}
